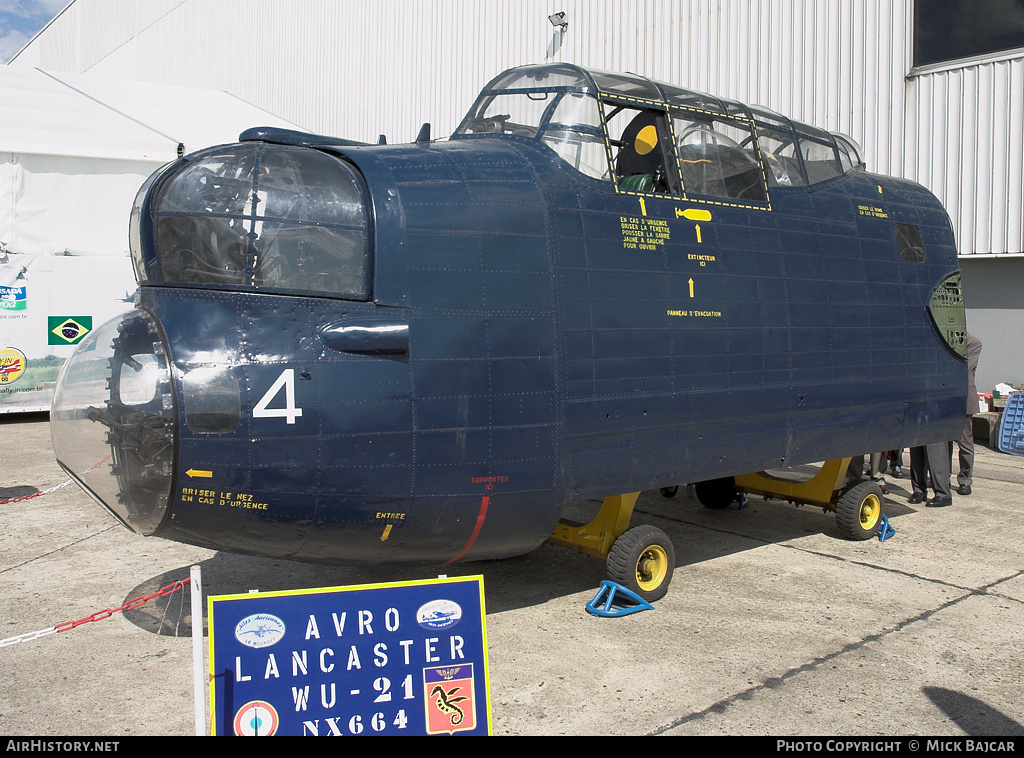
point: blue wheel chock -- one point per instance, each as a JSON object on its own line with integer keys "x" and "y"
{"x": 885, "y": 531}
{"x": 603, "y": 603}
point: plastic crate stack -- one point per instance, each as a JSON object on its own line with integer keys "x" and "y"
{"x": 1011, "y": 429}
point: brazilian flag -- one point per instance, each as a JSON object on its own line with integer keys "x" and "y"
{"x": 67, "y": 330}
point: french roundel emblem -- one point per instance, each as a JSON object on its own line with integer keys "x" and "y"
{"x": 257, "y": 718}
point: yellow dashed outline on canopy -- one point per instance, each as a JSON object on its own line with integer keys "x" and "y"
{"x": 662, "y": 107}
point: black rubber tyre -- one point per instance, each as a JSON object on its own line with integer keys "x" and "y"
{"x": 642, "y": 559}
{"x": 716, "y": 493}
{"x": 859, "y": 511}
{"x": 670, "y": 491}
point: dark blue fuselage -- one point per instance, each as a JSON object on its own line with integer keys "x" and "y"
{"x": 550, "y": 360}
{"x": 526, "y": 337}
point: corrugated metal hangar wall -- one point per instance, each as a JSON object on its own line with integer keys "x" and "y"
{"x": 358, "y": 69}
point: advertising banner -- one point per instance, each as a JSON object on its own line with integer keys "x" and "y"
{"x": 48, "y": 304}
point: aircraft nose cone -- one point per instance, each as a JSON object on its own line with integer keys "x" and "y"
{"x": 113, "y": 420}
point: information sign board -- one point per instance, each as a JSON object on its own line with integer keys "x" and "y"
{"x": 404, "y": 658}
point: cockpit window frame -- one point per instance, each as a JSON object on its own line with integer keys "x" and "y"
{"x": 741, "y": 123}
{"x": 663, "y": 125}
{"x": 670, "y": 102}
{"x": 674, "y": 158}
{"x": 483, "y": 104}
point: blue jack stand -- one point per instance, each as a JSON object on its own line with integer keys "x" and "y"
{"x": 603, "y": 602}
{"x": 885, "y": 531}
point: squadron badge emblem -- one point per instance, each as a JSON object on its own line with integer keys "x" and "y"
{"x": 448, "y": 696}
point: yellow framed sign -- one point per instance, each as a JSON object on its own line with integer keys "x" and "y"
{"x": 403, "y": 658}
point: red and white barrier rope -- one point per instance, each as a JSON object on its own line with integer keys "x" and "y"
{"x": 97, "y": 616}
{"x": 5, "y": 501}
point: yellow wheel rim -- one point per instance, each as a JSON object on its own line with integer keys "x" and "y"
{"x": 652, "y": 568}
{"x": 870, "y": 510}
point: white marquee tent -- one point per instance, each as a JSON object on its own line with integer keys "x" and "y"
{"x": 75, "y": 151}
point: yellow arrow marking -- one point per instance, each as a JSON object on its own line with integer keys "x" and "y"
{"x": 691, "y": 288}
{"x": 387, "y": 531}
{"x": 202, "y": 474}
{"x": 643, "y": 206}
{"x": 697, "y": 227}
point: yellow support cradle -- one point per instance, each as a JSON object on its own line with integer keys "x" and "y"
{"x": 596, "y": 538}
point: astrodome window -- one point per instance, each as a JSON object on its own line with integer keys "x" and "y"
{"x": 267, "y": 217}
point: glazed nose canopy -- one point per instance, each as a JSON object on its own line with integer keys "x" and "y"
{"x": 265, "y": 217}
{"x": 113, "y": 420}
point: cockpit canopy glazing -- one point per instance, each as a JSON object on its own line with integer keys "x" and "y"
{"x": 649, "y": 136}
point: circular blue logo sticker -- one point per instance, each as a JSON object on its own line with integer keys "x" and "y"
{"x": 439, "y": 614}
{"x": 259, "y": 630}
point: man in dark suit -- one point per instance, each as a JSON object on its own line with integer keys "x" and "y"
{"x": 935, "y": 461}
{"x": 931, "y": 462}
{"x": 964, "y": 478}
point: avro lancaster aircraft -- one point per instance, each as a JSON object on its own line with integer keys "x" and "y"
{"x": 600, "y": 284}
